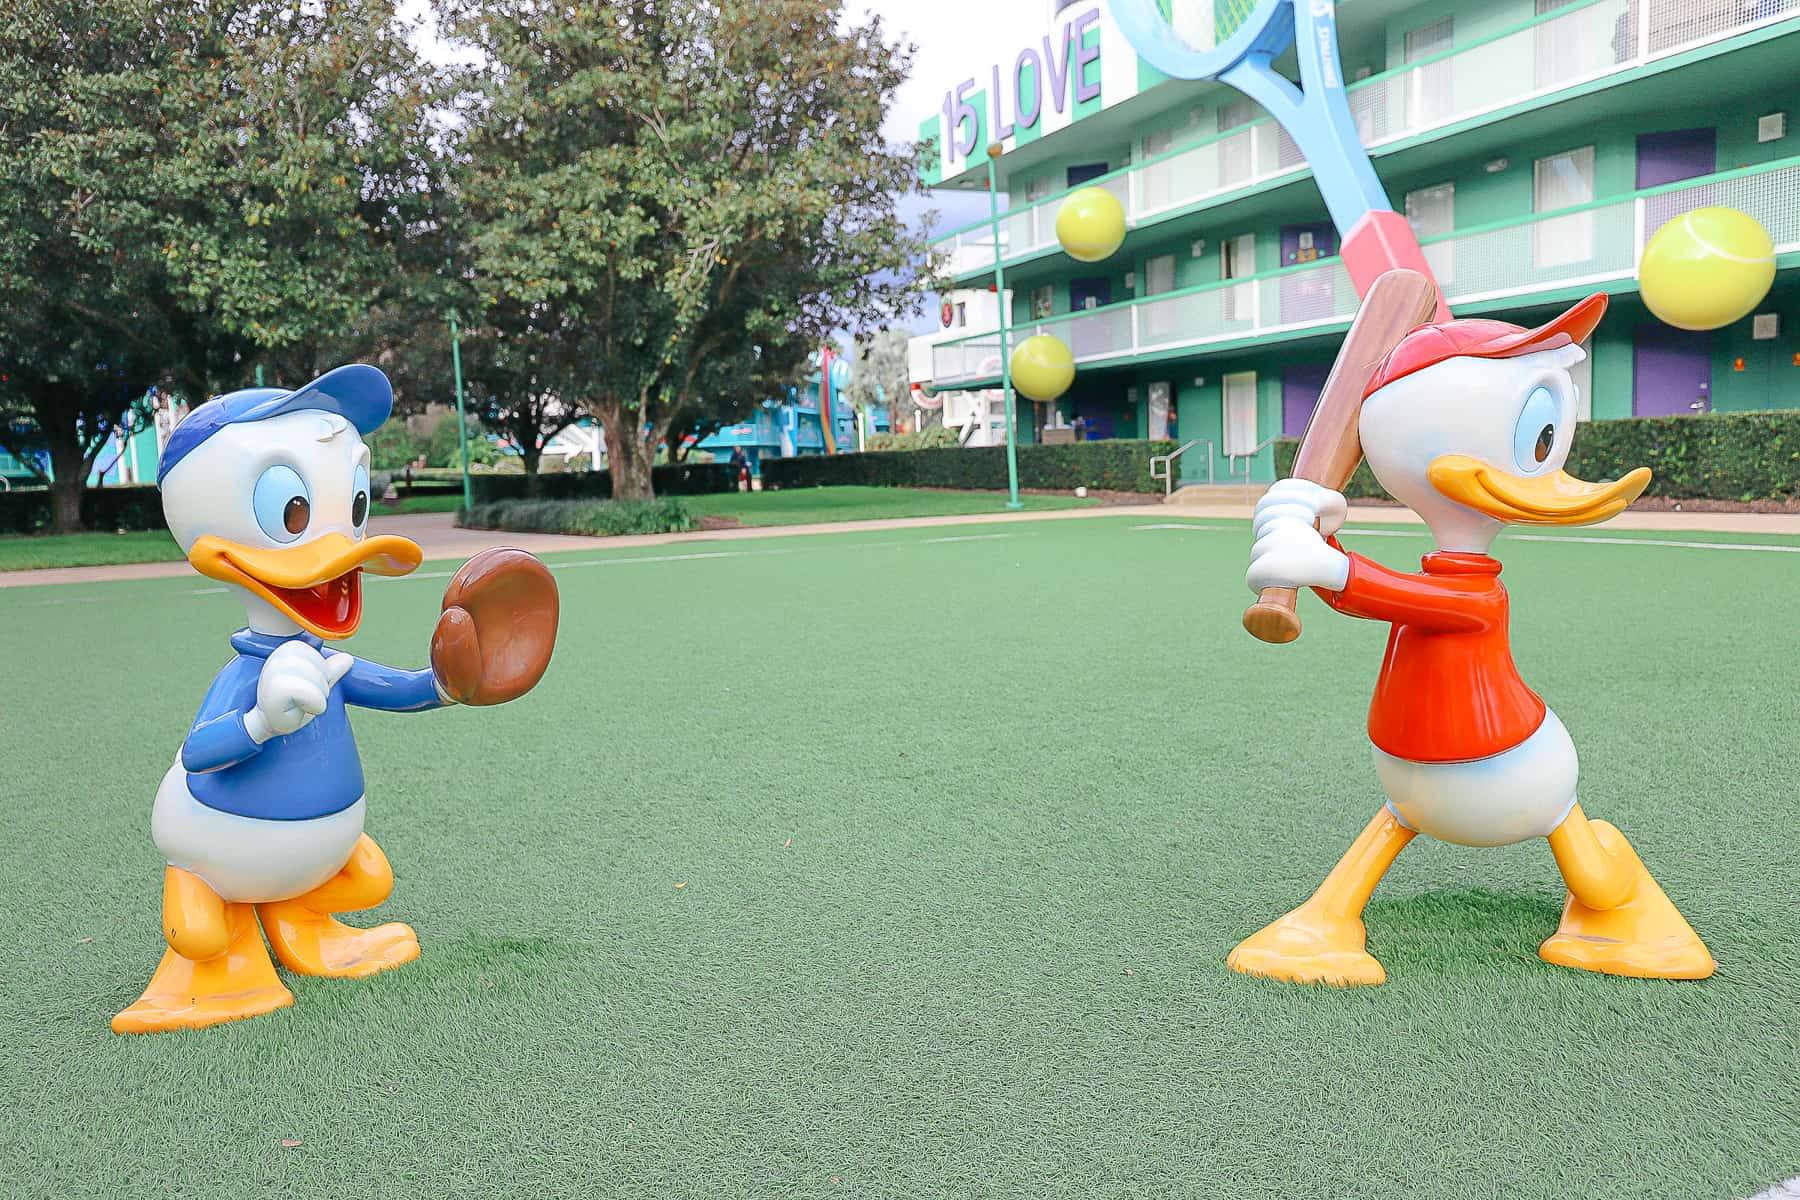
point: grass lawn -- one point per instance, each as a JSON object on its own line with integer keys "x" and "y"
{"x": 86, "y": 550}
{"x": 808, "y": 506}
{"x": 905, "y": 863}
{"x": 418, "y": 504}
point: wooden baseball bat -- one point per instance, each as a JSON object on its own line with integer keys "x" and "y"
{"x": 1398, "y": 302}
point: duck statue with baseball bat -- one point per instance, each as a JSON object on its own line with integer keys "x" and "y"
{"x": 1469, "y": 423}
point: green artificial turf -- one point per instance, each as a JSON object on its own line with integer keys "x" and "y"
{"x": 86, "y": 549}
{"x": 967, "y": 820}
{"x": 808, "y": 506}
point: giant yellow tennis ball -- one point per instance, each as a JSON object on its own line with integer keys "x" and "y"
{"x": 1090, "y": 224}
{"x": 1707, "y": 268}
{"x": 1042, "y": 368}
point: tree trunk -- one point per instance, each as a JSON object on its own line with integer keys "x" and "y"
{"x": 630, "y": 464}
{"x": 628, "y": 456}
{"x": 531, "y": 459}
{"x": 69, "y": 479}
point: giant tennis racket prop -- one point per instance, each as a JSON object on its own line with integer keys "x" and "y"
{"x": 1373, "y": 237}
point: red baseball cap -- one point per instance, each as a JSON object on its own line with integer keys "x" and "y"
{"x": 1429, "y": 345}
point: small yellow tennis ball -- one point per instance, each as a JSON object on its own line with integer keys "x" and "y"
{"x": 1090, "y": 224}
{"x": 1707, "y": 268}
{"x": 1042, "y": 368}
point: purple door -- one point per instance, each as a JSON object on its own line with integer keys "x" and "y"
{"x": 1090, "y": 335}
{"x": 1097, "y": 416}
{"x": 1307, "y": 243}
{"x": 1677, "y": 154}
{"x": 1671, "y": 371}
{"x": 1308, "y": 295}
{"x": 1082, "y": 172}
{"x": 1301, "y": 384}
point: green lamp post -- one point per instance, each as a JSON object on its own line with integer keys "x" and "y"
{"x": 994, "y": 151}
{"x": 462, "y": 422}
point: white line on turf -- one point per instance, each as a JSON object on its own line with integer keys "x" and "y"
{"x": 1765, "y": 547}
{"x": 1619, "y": 541}
{"x": 1789, "y": 1190}
{"x": 967, "y": 537}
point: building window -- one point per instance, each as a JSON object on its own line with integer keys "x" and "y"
{"x": 1160, "y": 320}
{"x": 962, "y": 314}
{"x": 1237, "y": 259}
{"x": 1561, "y": 54}
{"x": 1431, "y": 212}
{"x": 1560, "y": 181}
{"x": 1240, "y": 412}
{"x": 1158, "y": 177}
{"x": 1430, "y": 89}
{"x": 1237, "y": 152}
{"x": 1159, "y": 275}
{"x": 1043, "y": 301}
{"x": 1158, "y": 411}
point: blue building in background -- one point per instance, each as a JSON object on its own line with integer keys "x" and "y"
{"x": 789, "y": 427}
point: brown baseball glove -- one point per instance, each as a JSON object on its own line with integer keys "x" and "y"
{"x": 494, "y": 639}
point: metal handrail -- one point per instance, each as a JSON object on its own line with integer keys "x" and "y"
{"x": 1247, "y": 455}
{"x": 1167, "y": 476}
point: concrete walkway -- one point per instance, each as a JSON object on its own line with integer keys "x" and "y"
{"x": 1663, "y": 522}
{"x": 440, "y": 539}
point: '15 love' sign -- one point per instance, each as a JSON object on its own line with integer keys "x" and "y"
{"x": 1064, "y": 60}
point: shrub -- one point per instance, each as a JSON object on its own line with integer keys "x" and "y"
{"x": 1723, "y": 456}
{"x": 671, "y": 479}
{"x": 929, "y": 438}
{"x": 1121, "y": 465}
{"x": 27, "y": 510}
{"x": 599, "y": 518}
{"x": 1362, "y": 485}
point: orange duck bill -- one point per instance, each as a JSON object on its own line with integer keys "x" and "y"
{"x": 1557, "y": 498}
{"x": 318, "y": 584}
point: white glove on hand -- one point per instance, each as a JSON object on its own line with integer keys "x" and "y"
{"x": 1290, "y": 526}
{"x": 294, "y": 687}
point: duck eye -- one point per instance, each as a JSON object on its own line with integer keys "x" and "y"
{"x": 359, "y": 506}
{"x": 281, "y": 503}
{"x": 1535, "y": 435}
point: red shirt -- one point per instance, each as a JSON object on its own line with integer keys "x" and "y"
{"x": 1448, "y": 689}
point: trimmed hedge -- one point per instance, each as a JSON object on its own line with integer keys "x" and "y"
{"x": 604, "y": 518}
{"x": 1722, "y": 456}
{"x": 103, "y": 509}
{"x": 677, "y": 479}
{"x": 1121, "y": 465}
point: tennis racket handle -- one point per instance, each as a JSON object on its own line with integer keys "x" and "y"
{"x": 1274, "y": 618}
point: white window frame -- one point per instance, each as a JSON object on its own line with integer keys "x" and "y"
{"x": 1237, "y": 411}
{"x": 1161, "y": 264}
{"x": 1556, "y": 182}
{"x": 1237, "y": 258}
{"x": 1431, "y": 211}
{"x": 1431, "y": 89}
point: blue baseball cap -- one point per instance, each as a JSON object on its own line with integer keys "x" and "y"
{"x": 359, "y": 393}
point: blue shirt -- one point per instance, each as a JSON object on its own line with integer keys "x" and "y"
{"x": 311, "y": 772}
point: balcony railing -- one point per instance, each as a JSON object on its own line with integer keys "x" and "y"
{"x": 1584, "y": 245}
{"x": 1569, "y": 46}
